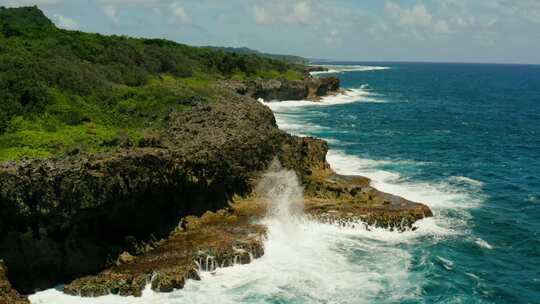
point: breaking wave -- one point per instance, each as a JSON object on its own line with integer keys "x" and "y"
{"x": 336, "y": 69}
{"x": 361, "y": 94}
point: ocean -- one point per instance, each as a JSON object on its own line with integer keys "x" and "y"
{"x": 462, "y": 138}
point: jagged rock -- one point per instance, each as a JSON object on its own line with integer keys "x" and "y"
{"x": 315, "y": 69}
{"x": 108, "y": 282}
{"x": 344, "y": 200}
{"x": 7, "y": 294}
{"x": 174, "y": 278}
{"x": 214, "y": 240}
{"x": 125, "y": 258}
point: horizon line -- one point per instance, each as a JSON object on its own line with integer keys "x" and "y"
{"x": 314, "y": 60}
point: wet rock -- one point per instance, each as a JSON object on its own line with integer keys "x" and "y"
{"x": 350, "y": 200}
{"x": 7, "y": 294}
{"x": 174, "y": 278}
{"x": 125, "y": 258}
{"x": 214, "y": 240}
{"x": 108, "y": 282}
{"x": 315, "y": 69}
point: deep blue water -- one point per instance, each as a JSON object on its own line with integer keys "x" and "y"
{"x": 477, "y": 122}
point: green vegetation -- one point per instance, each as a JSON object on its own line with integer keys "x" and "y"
{"x": 248, "y": 51}
{"x": 66, "y": 91}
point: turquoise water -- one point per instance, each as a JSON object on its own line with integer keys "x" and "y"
{"x": 464, "y": 139}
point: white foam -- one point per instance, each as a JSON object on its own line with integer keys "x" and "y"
{"x": 348, "y": 96}
{"x": 336, "y": 69}
{"x": 436, "y": 195}
{"x": 54, "y": 296}
{"x": 446, "y": 263}
{"x": 442, "y": 197}
{"x": 532, "y": 198}
{"x": 481, "y": 243}
{"x": 467, "y": 180}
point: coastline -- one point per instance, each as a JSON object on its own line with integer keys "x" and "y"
{"x": 144, "y": 169}
{"x": 329, "y": 197}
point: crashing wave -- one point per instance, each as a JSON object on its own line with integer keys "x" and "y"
{"x": 337, "y": 69}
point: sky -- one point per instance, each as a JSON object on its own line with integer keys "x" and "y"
{"x": 498, "y": 31}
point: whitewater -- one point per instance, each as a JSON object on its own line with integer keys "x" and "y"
{"x": 310, "y": 262}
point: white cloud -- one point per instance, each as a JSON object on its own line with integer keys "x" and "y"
{"x": 418, "y": 15}
{"x": 301, "y": 12}
{"x": 528, "y": 9}
{"x": 112, "y": 8}
{"x": 333, "y": 37}
{"x": 65, "y": 22}
{"x": 179, "y": 13}
{"x": 441, "y": 27}
{"x": 289, "y": 12}
{"x": 130, "y": 2}
{"x": 378, "y": 29}
{"x": 31, "y": 2}
{"x": 422, "y": 22}
{"x": 464, "y": 21}
{"x": 111, "y": 12}
{"x": 263, "y": 16}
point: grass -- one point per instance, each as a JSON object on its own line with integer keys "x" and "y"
{"x": 74, "y": 123}
{"x": 65, "y": 139}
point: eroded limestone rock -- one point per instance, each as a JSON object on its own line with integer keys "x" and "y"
{"x": 205, "y": 243}
{"x": 344, "y": 200}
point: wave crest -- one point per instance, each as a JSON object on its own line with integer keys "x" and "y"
{"x": 337, "y": 69}
{"x": 360, "y": 94}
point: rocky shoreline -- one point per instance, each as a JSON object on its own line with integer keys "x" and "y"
{"x": 310, "y": 88}
{"x": 63, "y": 219}
{"x": 214, "y": 240}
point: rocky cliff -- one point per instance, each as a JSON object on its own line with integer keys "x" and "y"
{"x": 61, "y": 218}
{"x": 310, "y": 88}
{"x": 65, "y": 218}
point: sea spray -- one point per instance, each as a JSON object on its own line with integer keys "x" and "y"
{"x": 282, "y": 192}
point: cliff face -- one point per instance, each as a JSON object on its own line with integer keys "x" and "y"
{"x": 310, "y": 88}
{"x": 64, "y": 218}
